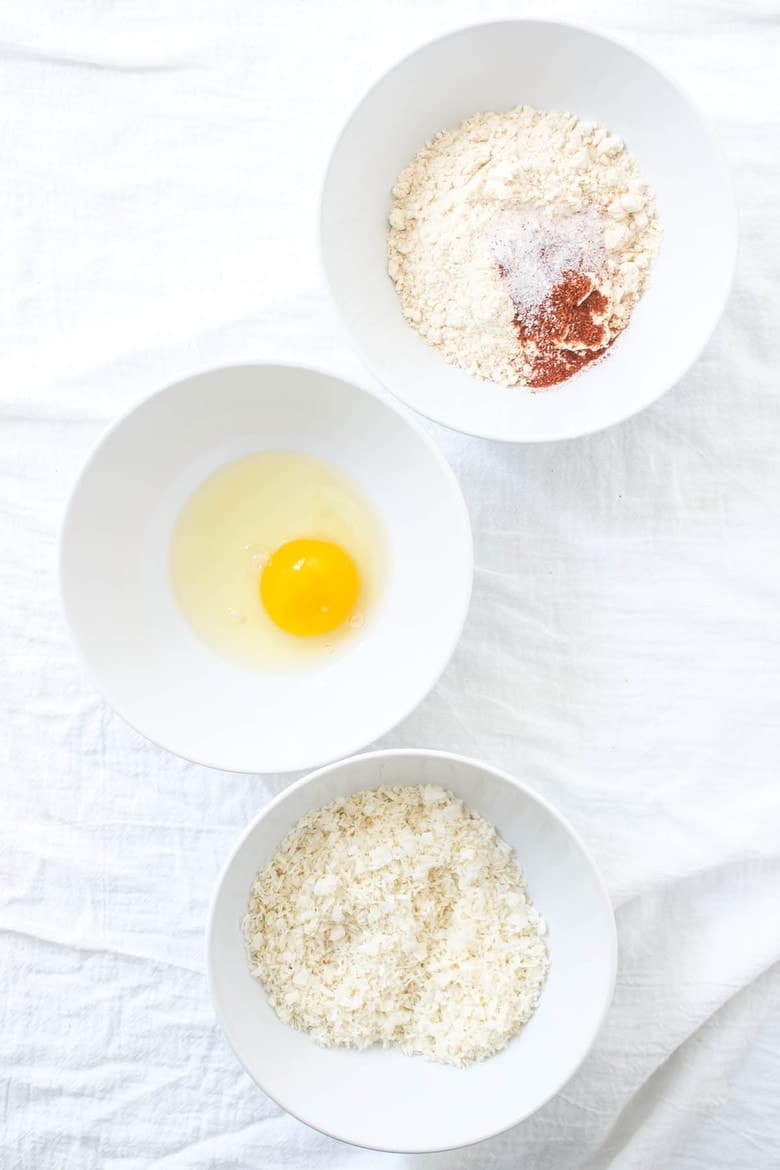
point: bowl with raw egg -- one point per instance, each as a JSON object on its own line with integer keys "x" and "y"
{"x": 265, "y": 567}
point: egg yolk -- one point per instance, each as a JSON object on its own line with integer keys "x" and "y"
{"x": 309, "y": 587}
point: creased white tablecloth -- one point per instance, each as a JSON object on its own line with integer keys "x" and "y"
{"x": 161, "y": 162}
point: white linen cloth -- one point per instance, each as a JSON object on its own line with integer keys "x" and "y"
{"x": 161, "y": 163}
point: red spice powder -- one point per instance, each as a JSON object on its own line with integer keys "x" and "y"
{"x": 568, "y": 330}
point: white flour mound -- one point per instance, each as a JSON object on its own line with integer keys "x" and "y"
{"x": 397, "y": 916}
{"x": 492, "y": 188}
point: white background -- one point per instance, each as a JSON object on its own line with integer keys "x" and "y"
{"x": 161, "y": 161}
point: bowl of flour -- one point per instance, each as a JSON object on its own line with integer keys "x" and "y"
{"x": 528, "y": 231}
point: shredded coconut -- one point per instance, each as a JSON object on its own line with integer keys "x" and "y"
{"x": 488, "y": 214}
{"x": 399, "y": 917}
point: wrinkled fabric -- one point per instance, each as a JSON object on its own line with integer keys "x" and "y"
{"x": 158, "y": 215}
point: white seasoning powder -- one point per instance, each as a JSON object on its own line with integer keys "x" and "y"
{"x": 399, "y": 917}
{"x": 534, "y": 253}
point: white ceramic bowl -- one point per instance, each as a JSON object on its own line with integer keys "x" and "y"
{"x": 380, "y": 1098}
{"x": 119, "y": 601}
{"x": 553, "y": 67}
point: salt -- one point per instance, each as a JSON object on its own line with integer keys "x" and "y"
{"x": 534, "y": 252}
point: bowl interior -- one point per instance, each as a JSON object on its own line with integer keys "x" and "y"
{"x": 380, "y": 1098}
{"x": 144, "y": 655}
{"x": 553, "y": 67}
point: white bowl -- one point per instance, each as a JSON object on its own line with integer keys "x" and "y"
{"x": 553, "y": 67}
{"x": 380, "y": 1098}
{"x": 119, "y": 601}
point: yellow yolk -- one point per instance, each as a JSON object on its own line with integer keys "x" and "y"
{"x": 309, "y": 587}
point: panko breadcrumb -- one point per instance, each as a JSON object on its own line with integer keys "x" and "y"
{"x": 397, "y": 916}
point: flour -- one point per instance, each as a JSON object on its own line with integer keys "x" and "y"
{"x": 489, "y": 216}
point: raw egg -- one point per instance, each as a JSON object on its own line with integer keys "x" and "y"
{"x": 309, "y": 587}
{"x": 277, "y": 560}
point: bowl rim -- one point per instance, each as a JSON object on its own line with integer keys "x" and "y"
{"x": 422, "y": 754}
{"x": 730, "y": 255}
{"x": 305, "y": 761}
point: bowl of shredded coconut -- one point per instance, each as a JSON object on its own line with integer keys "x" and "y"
{"x": 411, "y": 951}
{"x": 528, "y": 231}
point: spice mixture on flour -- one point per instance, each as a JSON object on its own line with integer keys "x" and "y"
{"x": 520, "y": 243}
